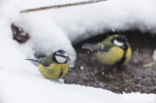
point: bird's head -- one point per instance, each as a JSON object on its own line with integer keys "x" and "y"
{"x": 60, "y": 57}
{"x": 120, "y": 41}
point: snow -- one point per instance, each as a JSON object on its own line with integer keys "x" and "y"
{"x": 20, "y": 88}
{"x": 112, "y": 14}
{"x": 20, "y": 81}
{"x": 154, "y": 55}
{"x": 87, "y": 20}
{"x": 81, "y": 67}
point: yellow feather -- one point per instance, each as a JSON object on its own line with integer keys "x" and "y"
{"x": 128, "y": 55}
{"x": 53, "y": 71}
{"x": 111, "y": 57}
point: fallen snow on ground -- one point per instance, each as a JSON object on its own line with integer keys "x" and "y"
{"x": 20, "y": 81}
{"x": 20, "y": 88}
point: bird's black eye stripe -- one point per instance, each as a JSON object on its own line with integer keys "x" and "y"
{"x": 62, "y": 56}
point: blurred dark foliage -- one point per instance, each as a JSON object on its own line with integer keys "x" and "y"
{"x": 19, "y": 34}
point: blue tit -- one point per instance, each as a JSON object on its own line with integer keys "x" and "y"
{"x": 54, "y": 66}
{"x": 114, "y": 50}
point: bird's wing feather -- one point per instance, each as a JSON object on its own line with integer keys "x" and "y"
{"x": 107, "y": 45}
{"x": 102, "y": 46}
{"x": 46, "y": 61}
{"x": 93, "y": 47}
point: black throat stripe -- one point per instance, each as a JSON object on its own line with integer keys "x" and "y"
{"x": 61, "y": 73}
{"x": 123, "y": 57}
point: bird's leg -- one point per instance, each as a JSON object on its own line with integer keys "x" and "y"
{"x": 117, "y": 68}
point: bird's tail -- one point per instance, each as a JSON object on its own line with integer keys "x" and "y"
{"x": 36, "y": 62}
{"x": 91, "y": 47}
{"x": 88, "y": 46}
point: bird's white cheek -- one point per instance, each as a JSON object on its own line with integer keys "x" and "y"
{"x": 60, "y": 59}
{"x": 118, "y": 43}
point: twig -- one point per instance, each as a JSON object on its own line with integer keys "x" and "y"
{"x": 61, "y": 6}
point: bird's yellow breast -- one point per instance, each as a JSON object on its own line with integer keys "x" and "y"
{"x": 113, "y": 56}
{"x": 128, "y": 55}
{"x": 54, "y": 70}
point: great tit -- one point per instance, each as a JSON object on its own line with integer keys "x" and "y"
{"x": 54, "y": 66}
{"x": 114, "y": 50}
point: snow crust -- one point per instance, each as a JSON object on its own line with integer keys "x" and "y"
{"x": 20, "y": 81}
